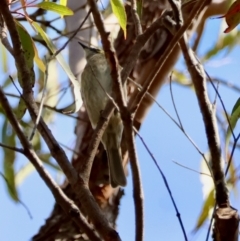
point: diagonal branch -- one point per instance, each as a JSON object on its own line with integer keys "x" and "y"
{"x": 126, "y": 117}
{"x": 199, "y": 80}
{"x": 67, "y": 205}
{"x": 81, "y": 189}
{"x": 195, "y": 12}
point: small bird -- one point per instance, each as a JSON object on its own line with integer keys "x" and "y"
{"x": 96, "y": 85}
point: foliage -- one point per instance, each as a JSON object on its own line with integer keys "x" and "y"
{"x": 50, "y": 90}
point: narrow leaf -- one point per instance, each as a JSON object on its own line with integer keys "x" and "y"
{"x": 37, "y": 59}
{"x": 139, "y": 8}
{"x": 63, "y": 3}
{"x": 119, "y": 12}
{"x": 8, "y": 138}
{"x": 232, "y": 16}
{"x": 233, "y": 120}
{"x": 208, "y": 205}
{"x": 21, "y": 109}
{"x": 59, "y": 57}
{"x": 28, "y": 49}
{"x": 23, "y": 173}
{"x": 60, "y": 9}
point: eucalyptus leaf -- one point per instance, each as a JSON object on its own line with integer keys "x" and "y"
{"x": 60, "y": 9}
{"x": 208, "y": 205}
{"x": 119, "y": 11}
{"x": 28, "y": 50}
{"x": 21, "y": 109}
{"x": 233, "y": 120}
{"x": 66, "y": 68}
{"x": 8, "y": 138}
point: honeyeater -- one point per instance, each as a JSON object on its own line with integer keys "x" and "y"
{"x": 96, "y": 85}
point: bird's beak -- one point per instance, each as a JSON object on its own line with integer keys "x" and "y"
{"x": 84, "y": 46}
{"x": 89, "y": 49}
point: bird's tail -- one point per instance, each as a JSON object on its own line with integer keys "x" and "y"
{"x": 117, "y": 175}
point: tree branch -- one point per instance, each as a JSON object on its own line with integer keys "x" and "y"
{"x": 67, "y": 205}
{"x": 199, "y": 80}
{"x": 126, "y": 116}
{"x": 82, "y": 190}
{"x": 197, "y": 9}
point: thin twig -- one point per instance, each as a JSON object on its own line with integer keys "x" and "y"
{"x": 68, "y": 206}
{"x": 165, "y": 182}
{"x": 199, "y": 80}
{"x": 201, "y": 173}
{"x": 80, "y": 187}
{"x": 221, "y": 101}
{"x": 174, "y": 105}
{"x": 41, "y": 101}
{"x": 136, "y": 19}
{"x": 126, "y": 117}
{"x": 13, "y": 148}
{"x": 3, "y": 36}
{"x": 228, "y": 84}
{"x": 46, "y": 106}
{"x": 175, "y": 122}
{"x": 73, "y": 35}
{"x": 21, "y": 202}
{"x": 158, "y": 66}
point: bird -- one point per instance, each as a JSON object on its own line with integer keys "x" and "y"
{"x": 96, "y": 87}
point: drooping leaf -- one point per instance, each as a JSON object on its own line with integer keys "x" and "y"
{"x": 63, "y": 3}
{"x": 59, "y": 57}
{"x": 232, "y": 175}
{"x": 8, "y": 138}
{"x": 208, "y": 205}
{"x": 28, "y": 49}
{"x": 233, "y": 120}
{"x": 36, "y": 142}
{"x": 8, "y": 81}
{"x": 23, "y": 3}
{"x": 139, "y": 8}
{"x": 30, "y": 46}
{"x": 37, "y": 59}
{"x": 181, "y": 78}
{"x": 225, "y": 42}
{"x": 232, "y": 16}
{"x": 60, "y": 9}
{"x": 21, "y": 109}
{"x": 23, "y": 173}
{"x": 119, "y": 12}
{"x": 4, "y": 58}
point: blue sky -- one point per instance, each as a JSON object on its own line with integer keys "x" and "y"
{"x": 167, "y": 143}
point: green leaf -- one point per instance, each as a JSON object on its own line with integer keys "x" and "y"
{"x": 227, "y": 42}
{"x": 139, "y": 8}
{"x": 233, "y": 120}
{"x": 232, "y": 16}
{"x": 119, "y": 12}
{"x": 37, "y": 59}
{"x": 4, "y": 59}
{"x": 8, "y": 138}
{"x": 24, "y": 171}
{"x": 59, "y": 57}
{"x": 181, "y": 78}
{"x": 21, "y": 109}
{"x": 208, "y": 205}
{"x": 60, "y": 9}
{"x": 63, "y": 2}
{"x": 28, "y": 50}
